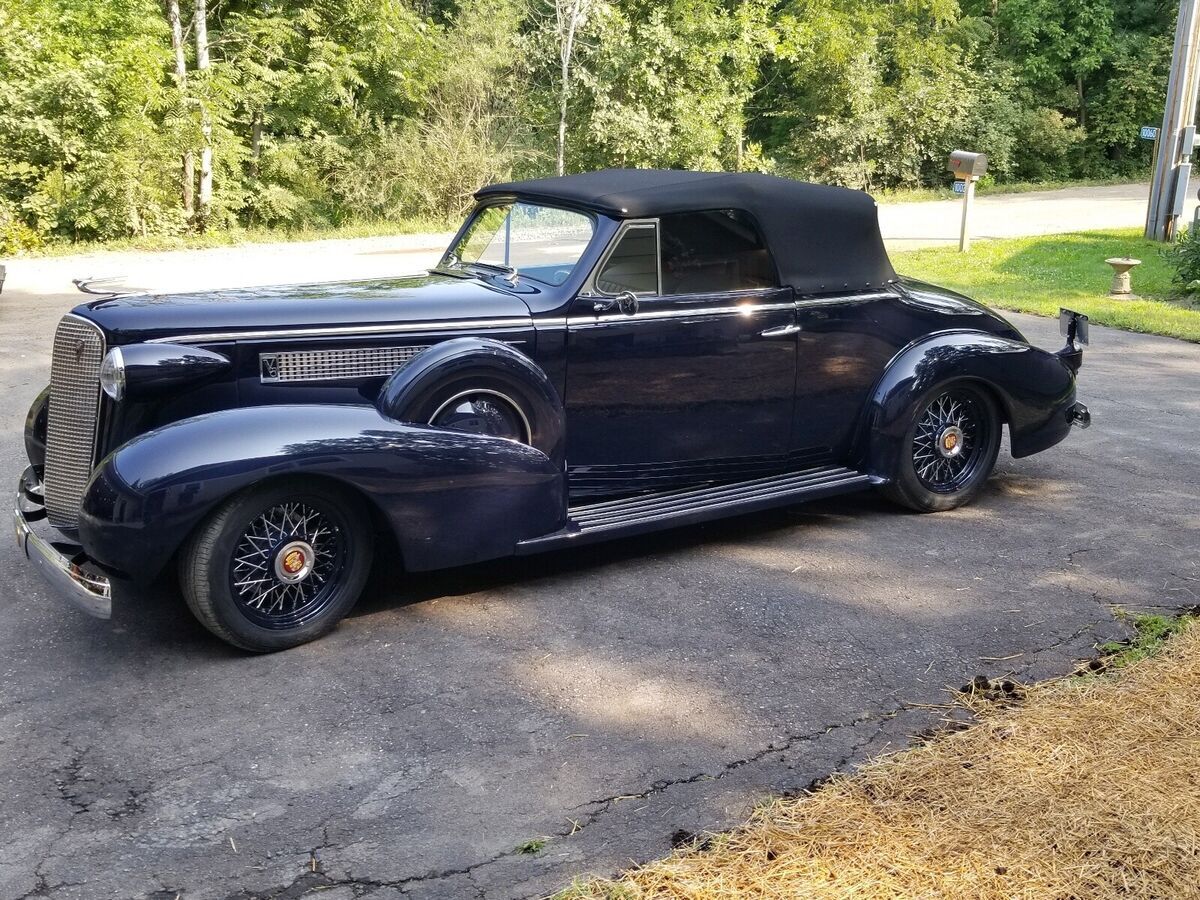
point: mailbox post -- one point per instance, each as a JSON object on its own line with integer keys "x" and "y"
{"x": 967, "y": 168}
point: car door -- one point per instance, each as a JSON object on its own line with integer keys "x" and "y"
{"x": 681, "y": 358}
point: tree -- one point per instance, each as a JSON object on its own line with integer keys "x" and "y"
{"x": 204, "y": 210}
{"x": 569, "y": 15}
{"x": 188, "y": 175}
{"x": 1058, "y": 44}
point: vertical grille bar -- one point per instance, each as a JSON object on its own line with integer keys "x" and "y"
{"x": 71, "y": 423}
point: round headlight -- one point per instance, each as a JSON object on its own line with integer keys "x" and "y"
{"x": 112, "y": 374}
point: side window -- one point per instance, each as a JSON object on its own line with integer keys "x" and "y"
{"x": 716, "y": 250}
{"x": 633, "y": 263}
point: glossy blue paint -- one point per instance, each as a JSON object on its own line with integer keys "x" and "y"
{"x": 701, "y": 382}
{"x": 349, "y": 305}
{"x": 692, "y": 389}
{"x": 449, "y": 498}
{"x": 35, "y": 429}
{"x": 155, "y": 369}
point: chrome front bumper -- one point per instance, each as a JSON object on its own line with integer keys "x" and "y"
{"x": 65, "y": 566}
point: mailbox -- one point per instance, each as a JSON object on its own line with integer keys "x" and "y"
{"x": 965, "y": 164}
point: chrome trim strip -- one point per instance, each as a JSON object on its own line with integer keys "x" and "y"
{"x": 842, "y": 298}
{"x": 90, "y": 591}
{"x": 745, "y": 309}
{"x": 337, "y": 331}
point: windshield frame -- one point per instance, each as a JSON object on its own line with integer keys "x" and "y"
{"x": 451, "y": 264}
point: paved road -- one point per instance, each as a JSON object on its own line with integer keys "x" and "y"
{"x": 602, "y": 698}
{"x": 912, "y": 225}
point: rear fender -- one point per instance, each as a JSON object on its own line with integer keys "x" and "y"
{"x": 450, "y": 498}
{"x": 1032, "y": 388}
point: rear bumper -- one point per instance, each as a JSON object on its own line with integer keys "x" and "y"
{"x": 1079, "y": 416}
{"x": 64, "y": 566}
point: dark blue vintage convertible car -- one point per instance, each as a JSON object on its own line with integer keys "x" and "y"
{"x": 594, "y": 356}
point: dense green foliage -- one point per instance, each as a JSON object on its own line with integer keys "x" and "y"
{"x": 325, "y": 112}
{"x": 1184, "y": 256}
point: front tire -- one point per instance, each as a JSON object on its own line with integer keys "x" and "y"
{"x": 949, "y": 449}
{"x": 279, "y": 565}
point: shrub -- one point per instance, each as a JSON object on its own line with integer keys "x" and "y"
{"x": 1184, "y": 256}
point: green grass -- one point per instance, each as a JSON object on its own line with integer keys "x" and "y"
{"x": 233, "y": 237}
{"x": 531, "y": 847}
{"x": 1150, "y": 633}
{"x": 1040, "y": 274}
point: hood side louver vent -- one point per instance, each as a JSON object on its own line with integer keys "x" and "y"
{"x": 334, "y": 365}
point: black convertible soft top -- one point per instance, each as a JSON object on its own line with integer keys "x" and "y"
{"x": 824, "y": 238}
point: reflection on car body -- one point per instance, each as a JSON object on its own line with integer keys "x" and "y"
{"x": 594, "y": 356}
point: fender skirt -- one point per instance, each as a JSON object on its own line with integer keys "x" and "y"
{"x": 1034, "y": 390}
{"x": 450, "y": 498}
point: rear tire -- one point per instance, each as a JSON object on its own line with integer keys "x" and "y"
{"x": 279, "y": 565}
{"x": 949, "y": 449}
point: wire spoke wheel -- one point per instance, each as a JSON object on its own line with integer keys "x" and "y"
{"x": 285, "y": 567}
{"x": 951, "y": 440}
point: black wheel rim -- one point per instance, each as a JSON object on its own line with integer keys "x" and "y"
{"x": 287, "y": 565}
{"x": 483, "y": 412}
{"x": 950, "y": 441}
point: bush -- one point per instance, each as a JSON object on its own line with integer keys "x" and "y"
{"x": 15, "y": 235}
{"x": 1184, "y": 256}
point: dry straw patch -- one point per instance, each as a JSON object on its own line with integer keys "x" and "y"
{"x": 1089, "y": 789}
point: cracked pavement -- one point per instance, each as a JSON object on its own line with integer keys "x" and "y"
{"x": 600, "y": 699}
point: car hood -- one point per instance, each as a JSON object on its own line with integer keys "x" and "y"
{"x": 210, "y": 316}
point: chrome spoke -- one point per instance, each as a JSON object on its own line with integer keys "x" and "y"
{"x": 946, "y": 439}
{"x": 265, "y": 589}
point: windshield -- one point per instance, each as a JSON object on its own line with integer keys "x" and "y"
{"x": 539, "y": 242}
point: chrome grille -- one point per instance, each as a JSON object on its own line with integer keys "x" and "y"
{"x": 334, "y": 365}
{"x": 71, "y": 422}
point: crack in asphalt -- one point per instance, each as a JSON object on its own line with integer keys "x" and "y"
{"x": 73, "y": 785}
{"x": 317, "y": 879}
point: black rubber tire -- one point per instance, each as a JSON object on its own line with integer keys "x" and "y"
{"x": 909, "y": 491}
{"x": 205, "y": 559}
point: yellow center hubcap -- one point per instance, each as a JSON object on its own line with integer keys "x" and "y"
{"x": 293, "y": 562}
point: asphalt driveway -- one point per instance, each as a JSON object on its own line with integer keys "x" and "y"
{"x": 600, "y": 699}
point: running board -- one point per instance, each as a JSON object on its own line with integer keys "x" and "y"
{"x": 686, "y": 506}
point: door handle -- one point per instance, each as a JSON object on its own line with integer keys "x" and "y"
{"x": 781, "y": 331}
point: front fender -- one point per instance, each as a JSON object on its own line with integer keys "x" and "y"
{"x": 450, "y": 498}
{"x": 1033, "y": 389}
{"x": 35, "y": 429}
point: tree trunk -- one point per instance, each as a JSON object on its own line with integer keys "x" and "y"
{"x": 1082, "y": 102}
{"x": 188, "y": 175}
{"x": 568, "y": 14}
{"x": 256, "y": 126}
{"x": 202, "y": 65}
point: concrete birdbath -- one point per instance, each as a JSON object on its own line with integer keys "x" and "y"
{"x": 1122, "y": 286}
